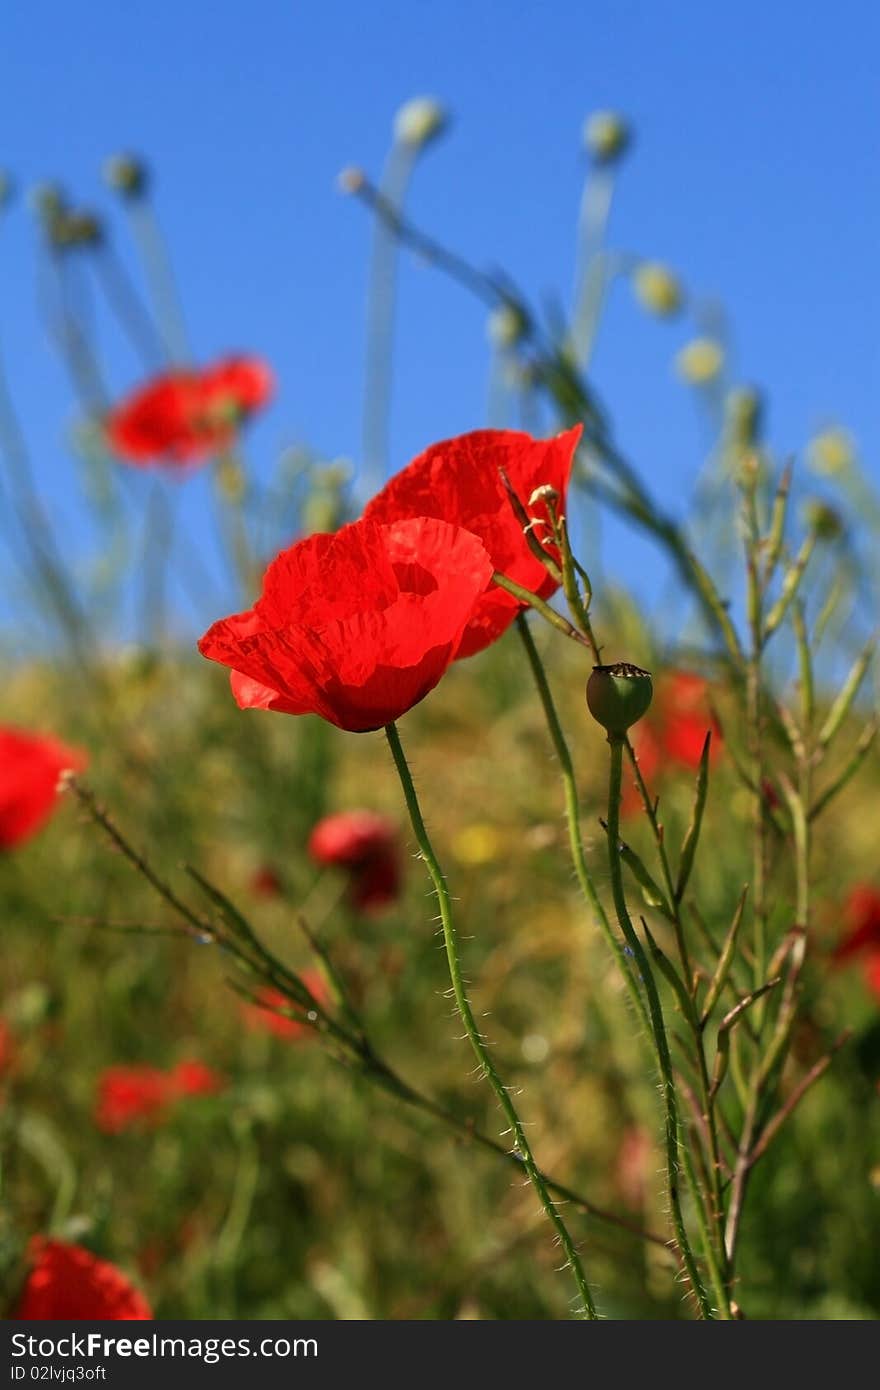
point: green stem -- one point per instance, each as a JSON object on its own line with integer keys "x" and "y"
{"x": 481, "y": 1051}
{"x": 657, "y": 1026}
{"x": 573, "y": 818}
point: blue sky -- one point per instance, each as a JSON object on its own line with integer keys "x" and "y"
{"x": 754, "y": 173}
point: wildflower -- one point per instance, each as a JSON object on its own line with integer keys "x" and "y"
{"x": 357, "y": 627}
{"x": 364, "y": 844}
{"x": 675, "y": 732}
{"x": 187, "y": 415}
{"x": 30, "y": 768}
{"x": 459, "y": 482}
{"x": 137, "y": 1096}
{"x": 194, "y": 1078}
{"x": 606, "y": 136}
{"x": 657, "y": 289}
{"x": 69, "y": 1283}
{"x": 271, "y": 1012}
{"x": 129, "y": 1096}
{"x": 862, "y": 917}
{"x": 700, "y": 361}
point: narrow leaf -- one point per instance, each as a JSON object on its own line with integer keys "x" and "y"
{"x": 725, "y": 960}
{"x": 842, "y": 705}
{"x": 692, "y": 837}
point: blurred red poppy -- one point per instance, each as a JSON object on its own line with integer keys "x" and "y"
{"x": 134, "y": 1096}
{"x": 684, "y": 719}
{"x": 186, "y": 415}
{"x": 862, "y": 917}
{"x": 358, "y": 626}
{"x": 458, "y": 481}
{"x": 265, "y": 1016}
{"x": 130, "y": 1096}
{"x": 193, "y": 1078}
{"x": 30, "y": 766}
{"x": 674, "y": 732}
{"x": 364, "y": 844}
{"x": 69, "y": 1283}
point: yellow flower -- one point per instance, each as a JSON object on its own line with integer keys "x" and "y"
{"x": 477, "y": 844}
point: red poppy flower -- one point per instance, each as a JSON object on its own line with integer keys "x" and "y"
{"x": 459, "y": 481}
{"x": 185, "y": 415}
{"x": 193, "y": 1078}
{"x": 69, "y": 1284}
{"x": 365, "y": 844}
{"x": 358, "y": 626}
{"x": 142, "y": 1095}
{"x": 862, "y": 916}
{"x": 264, "y": 1015}
{"x": 685, "y": 718}
{"x": 872, "y": 973}
{"x": 30, "y": 766}
{"x": 130, "y": 1096}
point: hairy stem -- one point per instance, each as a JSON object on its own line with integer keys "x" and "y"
{"x": 481, "y": 1051}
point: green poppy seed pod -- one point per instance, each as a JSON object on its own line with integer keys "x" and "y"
{"x": 507, "y": 325}
{"x": 823, "y": 519}
{"x": 619, "y": 695}
{"x": 607, "y": 136}
{"x": 832, "y": 452}
{"x": 125, "y": 174}
{"x": 700, "y": 361}
{"x": 657, "y": 289}
{"x": 419, "y": 121}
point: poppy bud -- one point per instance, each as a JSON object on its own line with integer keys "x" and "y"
{"x": 824, "y": 520}
{"x": 618, "y": 696}
{"x": 507, "y": 325}
{"x": 657, "y": 289}
{"x": 606, "y": 136}
{"x": 78, "y": 228}
{"x": 419, "y": 121}
{"x": 125, "y": 174}
{"x": 743, "y": 409}
{"x": 700, "y": 361}
{"x": 833, "y": 451}
{"x": 351, "y": 179}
